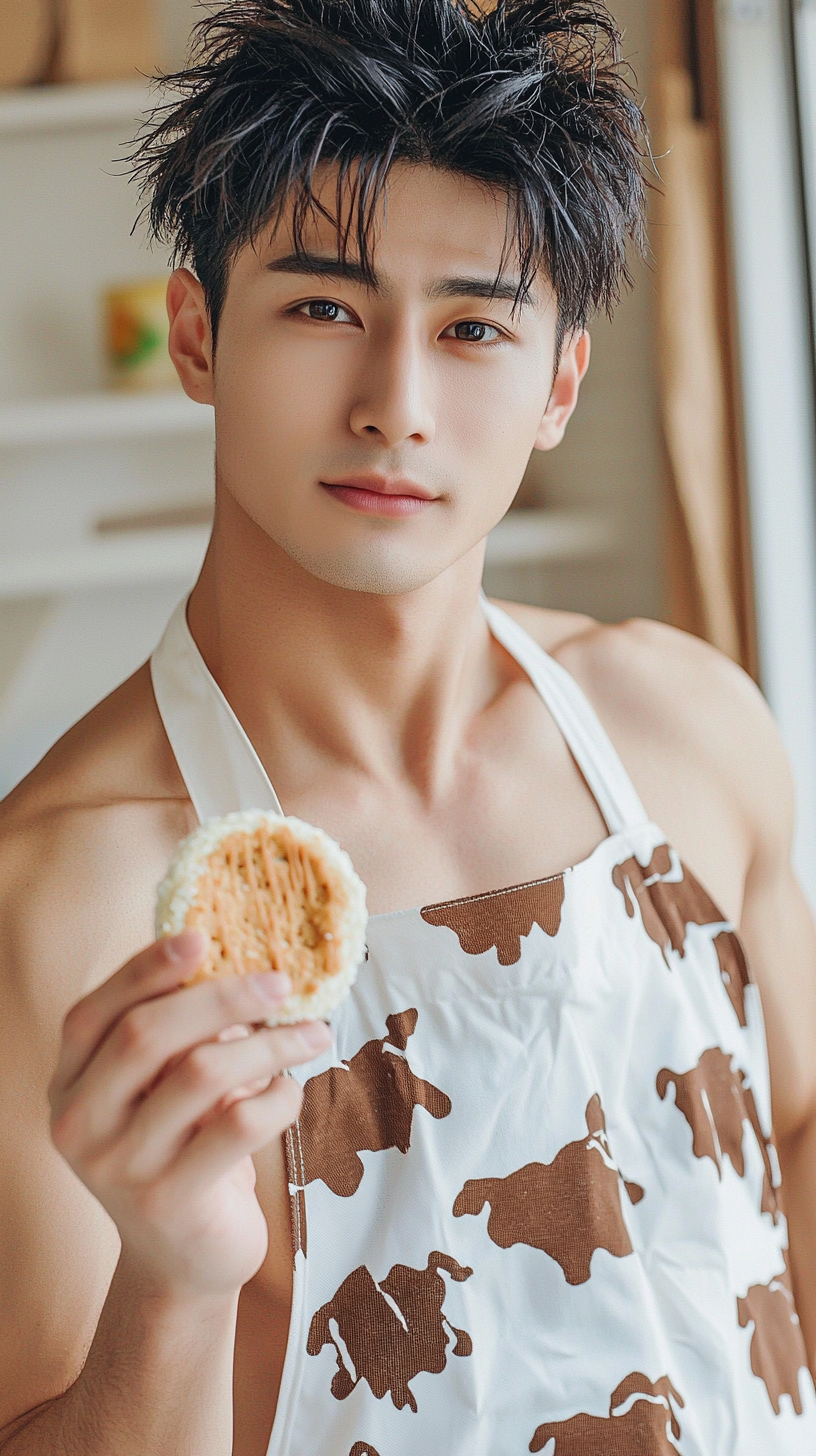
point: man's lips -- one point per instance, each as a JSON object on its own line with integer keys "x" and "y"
{"x": 380, "y": 495}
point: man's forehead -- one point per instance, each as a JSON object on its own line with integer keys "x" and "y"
{"x": 429, "y": 225}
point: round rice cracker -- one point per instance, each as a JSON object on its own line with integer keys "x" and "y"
{"x": 270, "y": 893}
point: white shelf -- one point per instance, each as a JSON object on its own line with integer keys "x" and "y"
{"x": 530, "y": 536}
{"x": 133, "y": 558}
{"x": 32, "y": 109}
{"x": 101, "y": 417}
{"x": 176, "y": 554}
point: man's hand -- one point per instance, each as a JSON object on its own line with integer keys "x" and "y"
{"x": 161, "y": 1096}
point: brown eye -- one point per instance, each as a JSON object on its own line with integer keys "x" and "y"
{"x": 470, "y": 331}
{"x": 321, "y": 308}
{"x": 473, "y": 333}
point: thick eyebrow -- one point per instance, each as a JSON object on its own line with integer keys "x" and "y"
{"x": 326, "y": 265}
{"x": 505, "y": 289}
{"x": 320, "y": 265}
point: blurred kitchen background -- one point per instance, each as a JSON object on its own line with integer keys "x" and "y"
{"x": 685, "y": 489}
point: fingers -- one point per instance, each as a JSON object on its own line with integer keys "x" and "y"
{"x": 161, "y": 968}
{"x": 146, "y": 1038}
{"x": 209, "y": 1079}
{"x": 242, "y": 1129}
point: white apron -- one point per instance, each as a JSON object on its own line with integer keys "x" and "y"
{"x": 534, "y": 1190}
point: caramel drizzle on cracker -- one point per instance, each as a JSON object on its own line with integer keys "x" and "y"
{"x": 269, "y": 902}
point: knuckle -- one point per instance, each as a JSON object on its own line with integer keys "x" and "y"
{"x": 198, "y": 1072}
{"x": 134, "y": 1033}
{"x": 242, "y": 1118}
{"x": 124, "y": 1168}
{"x": 81, "y": 1024}
{"x": 95, "y": 1166}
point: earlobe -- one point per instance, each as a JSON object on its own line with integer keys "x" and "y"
{"x": 190, "y": 335}
{"x": 565, "y": 391}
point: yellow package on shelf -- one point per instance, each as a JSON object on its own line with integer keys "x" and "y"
{"x": 137, "y": 331}
{"x": 106, "y": 40}
{"x": 28, "y": 30}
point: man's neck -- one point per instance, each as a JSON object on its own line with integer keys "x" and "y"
{"x": 383, "y": 683}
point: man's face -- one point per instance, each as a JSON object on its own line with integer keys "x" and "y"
{"x": 377, "y": 434}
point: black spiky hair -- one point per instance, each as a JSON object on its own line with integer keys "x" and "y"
{"x": 530, "y": 98}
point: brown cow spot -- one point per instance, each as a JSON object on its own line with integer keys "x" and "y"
{"x": 362, "y": 1448}
{"x": 642, "y": 1429}
{"x": 777, "y": 1347}
{"x": 503, "y": 918}
{"x": 567, "y": 1208}
{"x": 668, "y": 895}
{"x": 716, "y": 1102}
{"x": 391, "y": 1331}
{"x": 366, "y": 1104}
{"x": 670, "y": 900}
{"x": 733, "y": 970}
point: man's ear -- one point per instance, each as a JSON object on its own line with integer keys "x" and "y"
{"x": 191, "y": 346}
{"x": 566, "y": 388}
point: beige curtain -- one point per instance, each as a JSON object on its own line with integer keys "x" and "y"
{"x": 709, "y": 586}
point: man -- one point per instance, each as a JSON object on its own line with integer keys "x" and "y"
{"x": 529, "y": 1199}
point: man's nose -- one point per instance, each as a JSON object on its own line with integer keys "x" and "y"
{"x": 394, "y": 392}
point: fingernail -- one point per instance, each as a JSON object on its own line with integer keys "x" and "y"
{"x": 316, "y": 1035}
{"x": 272, "y": 985}
{"x": 188, "y": 946}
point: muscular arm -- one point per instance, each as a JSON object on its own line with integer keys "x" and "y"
{"x": 157, "y": 1382}
{"x": 90, "y": 1360}
{"x": 71, "y": 883}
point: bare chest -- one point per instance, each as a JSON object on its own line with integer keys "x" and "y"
{"x": 516, "y": 808}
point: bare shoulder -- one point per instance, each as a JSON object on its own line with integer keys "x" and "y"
{"x": 669, "y": 699}
{"x": 549, "y": 628}
{"x": 83, "y": 842}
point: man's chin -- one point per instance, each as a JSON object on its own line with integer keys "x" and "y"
{"x": 374, "y": 573}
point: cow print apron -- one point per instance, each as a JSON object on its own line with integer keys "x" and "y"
{"x": 535, "y": 1196}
